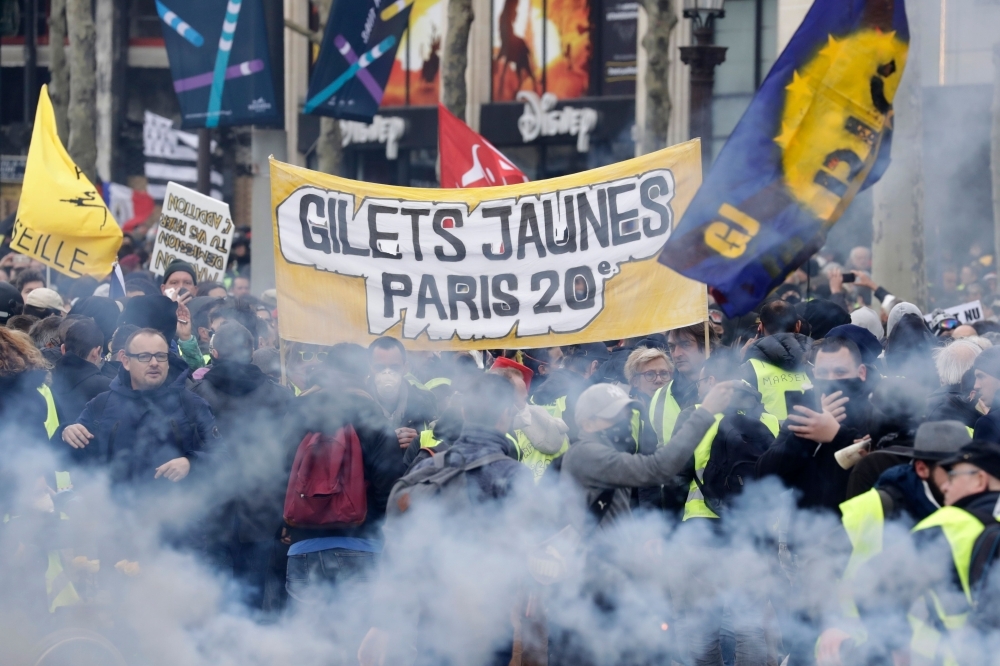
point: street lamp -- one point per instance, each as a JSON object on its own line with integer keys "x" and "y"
{"x": 703, "y": 56}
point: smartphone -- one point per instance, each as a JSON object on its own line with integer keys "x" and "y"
{"x": 849, "y": 277}
{"x": 807, "y": 399}
{"x": 183, "y": 292}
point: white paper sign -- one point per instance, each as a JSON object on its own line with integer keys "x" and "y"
{"x": 194, "y": 228}
{"x": 965, "y": 313}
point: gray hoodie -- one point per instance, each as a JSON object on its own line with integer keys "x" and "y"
{"x": 595, "y": 465}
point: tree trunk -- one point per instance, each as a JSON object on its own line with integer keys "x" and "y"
{"x": 456, "y": 56}
{"x": 59, "y": 82}
{"x": 82, "y": 87}
{"x": 995, "y": 152}
{"x": 898, "y": 219}
{"x": 329, "y": 151}
{"x": 660, "y": 22}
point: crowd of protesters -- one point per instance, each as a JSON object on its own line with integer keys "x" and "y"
{"x": 858, "y": 404}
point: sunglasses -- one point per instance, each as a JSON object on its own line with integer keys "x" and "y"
{"x": 312, "y": 356}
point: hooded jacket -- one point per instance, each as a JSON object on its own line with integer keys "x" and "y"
{"x": 787, "y": 351}
{"x": 75, "y": 382}
{"x": 594, "y": 464}
{"x": 249, "y": 409}
{"x": 494, "y": 481}
{"x": 137, "y": 431}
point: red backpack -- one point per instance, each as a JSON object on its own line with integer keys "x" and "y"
{"x": 327, "y": 487}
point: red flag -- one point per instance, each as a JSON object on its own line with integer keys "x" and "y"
{"x": 469, "y": 160}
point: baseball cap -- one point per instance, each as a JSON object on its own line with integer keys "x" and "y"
{"x": 603, "y": 401}
{"x": 935, "y": 440}
{"x": 44, "y": 298}
{"x": 982, "y": 454}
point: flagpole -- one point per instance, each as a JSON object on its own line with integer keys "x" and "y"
{"x": 48, "y": 277}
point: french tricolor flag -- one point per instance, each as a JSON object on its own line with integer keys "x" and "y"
{"x": 129, "y": 207}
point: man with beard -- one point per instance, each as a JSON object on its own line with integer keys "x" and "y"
{"x": 803, "y": 454}
{"x": 686, "y": 347}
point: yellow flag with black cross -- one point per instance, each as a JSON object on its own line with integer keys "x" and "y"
{"x": 62, "y": 221}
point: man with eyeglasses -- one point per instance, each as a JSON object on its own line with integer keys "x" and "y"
{"x": 686, "y": 347}
{"x": 144, "y": 428}
{"x": 968, "y": 527}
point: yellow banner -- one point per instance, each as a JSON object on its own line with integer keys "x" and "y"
{"x": 554, "y": 262}
{"x": 61, "y": 218}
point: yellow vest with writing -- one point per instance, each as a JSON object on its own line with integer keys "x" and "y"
{"x": 773, "y": 383}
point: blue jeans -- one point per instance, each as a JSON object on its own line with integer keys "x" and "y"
{"x": 320, "y": 577}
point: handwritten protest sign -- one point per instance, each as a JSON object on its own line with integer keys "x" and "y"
{"x": 554, "y": 262}
{"x": 195, "y": 228}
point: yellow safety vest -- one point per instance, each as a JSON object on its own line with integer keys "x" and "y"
{"x": 556, "y": 409}
{"x": 531, "y": 457}
{"x": 695, "y": 506}
{"x": 663, "y": 413}
{"x": 773, "y": 383}
{"x": 427, "y": 439}
{"x": 436, "y": 382}
{"x": 51, "y": 418}
{"x": 863, "y": 519}
{"x": 961, "y": 530}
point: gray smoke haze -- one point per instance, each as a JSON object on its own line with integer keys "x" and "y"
{"x": 448, "y": 584}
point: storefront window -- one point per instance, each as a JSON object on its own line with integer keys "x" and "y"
{"x": 542, "y": 46}
{"x": 416, "y": 74}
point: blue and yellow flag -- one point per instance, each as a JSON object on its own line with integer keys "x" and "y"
{"x": 816, "y": 133}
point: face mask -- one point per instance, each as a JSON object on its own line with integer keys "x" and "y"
{"x": 853, "y": 388}
{"x": 388, "y": 384}
{"x": 620, "y": 436}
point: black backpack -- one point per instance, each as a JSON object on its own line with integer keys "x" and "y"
{"x": 741, "y": 440}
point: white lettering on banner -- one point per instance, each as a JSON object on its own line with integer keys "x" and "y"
{"x": 383, "y": 129}
{"x": 540, "y": 118}
{"x": 539, "y": 263}
{"x": 195, "y": 228}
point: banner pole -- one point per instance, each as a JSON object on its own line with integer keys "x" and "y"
{"x": 48, "y": 277}
{"x": 281, "y": 357}
{"x": 708, "y": 351}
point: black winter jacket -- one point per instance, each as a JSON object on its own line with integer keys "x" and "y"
{"x": 249, "y": 410}
{"x": 75, "y": 382}
{"x": 137, "y": 431}
{"x": 988, "y": 425}
{"x": 327, "y": 412}
{"x": 809, "y": 467}
{"x": 948, "y": 404}
{"x": 22, "y": 408}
